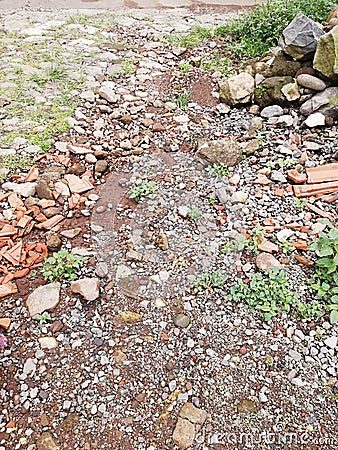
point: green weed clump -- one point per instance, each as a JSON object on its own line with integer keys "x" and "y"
{"x": 254, "y": 33}
{"x": 269, "y": 293}
{"x": 325, "y": 281}
{"x": 62, "y": 266}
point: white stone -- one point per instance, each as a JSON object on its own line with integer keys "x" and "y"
{"x": 315, "y": 120}
{"x": 43, "y": 298}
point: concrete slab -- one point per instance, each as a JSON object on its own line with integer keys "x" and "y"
{"x": 121, "y": 4}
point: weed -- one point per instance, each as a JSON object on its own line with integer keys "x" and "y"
{"x": 269, "y": 361}
{"x": 185, "y": 67}
{"x": 309, "y": 311}
{"x": 212, "y": 200}
{"x": 220, "y": 170}
{"x": 15, "y": 163}
{"x": 268, "y": 293}
{"x": 254, "y": 33}
{"x": 191, "y": 39}
{"x": 255, "y": 240}
{"x": 325, "y": 280}
{"x": 194, "y": 214}
{"x": 210, "y": 281}
{"x": 282, "y": 163}
{"x": 182, "y": 101}
{"x": 300, "y": 203}
{"x": 43, "y": 318}
{"x": 215, "y": 63}
{"x": 229, "y": 246}
{"x": 62, "y": 266}
{"x": 144, "y": 189}
{"x": 285, "y": 245}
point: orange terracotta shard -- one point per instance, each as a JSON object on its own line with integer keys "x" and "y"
{"x": 7, "y": 230}
{"x": 24, "y": 221}
{"x": 300, "y": 244}
{"x": 5, "y": 323}
{"x": 32, "y": 175}
{"x": 8, "y": 289}
{"x": 78, "y": 185}
{"x": 14, "y": 254}
{"x": 267, "y": 246}
{"x": 50, "y": 223}
{"x": 296, "y": 177}
{"x": 14, "y": 200}
{"x": 21, "y": 273}
{"x": 320, "y": 174}
{"x": 317, "y": 189}
{"x": 320, "y": 212}
{"x": 303, "y": 260}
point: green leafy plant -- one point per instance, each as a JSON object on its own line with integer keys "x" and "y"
{"x": 182, "y": 100}
{"x": 220, "y": 170}
{"x": 194, "y": 214}
{"x": 211, "y": 63}
{"x": 191, "y": 39}
{"x": 255, "y": 32}
{"x": 230, "y": 245}
{"x": 300, "y": 203}
{"x": 251, "y": 244}
{"x": 325, "y": 280}
{"x": 144, "y": 189}
{"x": 268, "y": 293}
{"x": 184, "y": 67}
{"x": 43, "y": 318}
{"x": 210, "y": 281}
{"x": 62, "y": 266}
{"x": 212, "y": 200}
{"x": 269, "y": 361}
{"x": 309, "y": 311}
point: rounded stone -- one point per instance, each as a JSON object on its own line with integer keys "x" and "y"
{"x": 310, "y": 82}
{"x": 101, "y": 166}
{"x": 181, "y": 320}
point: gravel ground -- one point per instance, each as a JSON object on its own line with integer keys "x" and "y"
{"x": 122, "y": 366}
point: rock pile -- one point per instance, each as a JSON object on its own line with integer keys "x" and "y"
{"x": 302, "y": 71}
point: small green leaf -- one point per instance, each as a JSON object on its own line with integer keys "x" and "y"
{"x": 334, "y": 316}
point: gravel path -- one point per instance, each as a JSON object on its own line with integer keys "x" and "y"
{"x": 132, "y": 106}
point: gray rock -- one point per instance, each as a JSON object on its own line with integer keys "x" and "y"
{"x": 223, "y": 151}
{"x": 101, "y": 166}
{"x": 42, "y": 189}
{"x": 331, "y": 342}
{"x": 88, "y": 288}
{"x": 311, "y": 82}
{"x": 181, "y": 320}
{"x": 295, "y": 355}
{"x": 29, "y": 366}
{"x": 266, "y": 261}
{"x": 325, "y": 59}
{"x": 277, "y": 176}
{"x": 272, "y": 111}
{"x": 108, "y": 94}
{"x": 102, "y": 269}
{"x": 24, "y": 189}
{"x": 299, "y": 39}
{"x": 237, "y": 89}
{"x": 44, "y": 298}
{"x": 239, "y": 197}
{"x": 315, "y": 120}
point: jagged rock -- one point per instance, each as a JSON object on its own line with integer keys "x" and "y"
{"x": 237, "y": 89}
{"x": 311, "y": 82}
{"x": 315, "y": 120}
{"x": 47, "y": 442}
{"x": 291, "y": 92}
{"x": 88, "y": 288}
{"x": 53, "y": 241}
{"x": 325, "y": 59}
{"x": 189, "y": 422}
{"x": 44, "y": 298}
{"x": 299, "y": 39}
{"x": 270, "y": 91}
{"x": 279, "y": 65}
{"x": 43, "y": 190}
{"x": 325, "y": 102}
{"x": 223, "y": 151}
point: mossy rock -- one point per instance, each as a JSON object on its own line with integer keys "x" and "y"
{"x": 270, "y": 91}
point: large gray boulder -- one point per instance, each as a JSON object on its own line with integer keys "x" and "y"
{"x": 325, "y": 102}
{"x": 269, "y": 92}
{"x": 299, "y": 39}
{"x": 237, "y": 90}
{"x": 326, "y": 56}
